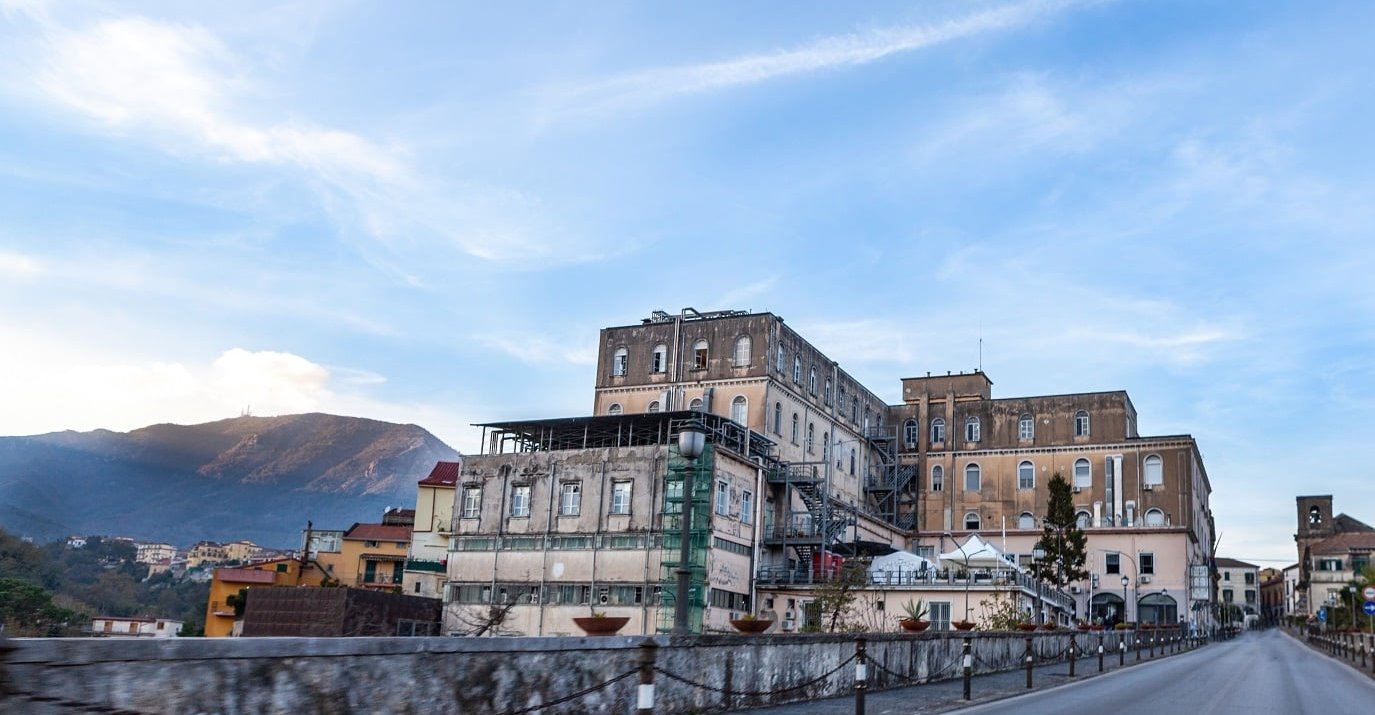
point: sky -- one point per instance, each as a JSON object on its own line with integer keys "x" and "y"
{"x": 424, "y": 212}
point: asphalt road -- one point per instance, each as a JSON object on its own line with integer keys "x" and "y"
{"x": 1260, "y": 672}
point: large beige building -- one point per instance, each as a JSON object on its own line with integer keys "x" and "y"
{"x": 821, "y": 466}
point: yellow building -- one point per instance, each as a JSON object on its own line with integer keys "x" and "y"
{"x": 228, "y": 581}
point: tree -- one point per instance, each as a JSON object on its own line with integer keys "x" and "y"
{"x": 28, "y": 610}
{"x": 1062, "y": 541}
{"x": 837, "y": 606}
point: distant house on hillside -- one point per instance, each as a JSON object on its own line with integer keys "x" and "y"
{"x": 124, "y": 627}
{"x": 150, "y": 553}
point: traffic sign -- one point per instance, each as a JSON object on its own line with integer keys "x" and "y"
{"x": 1322, "y": 614}
{"x": 1369, "y": 608}
{"x": 1369, "y": 593}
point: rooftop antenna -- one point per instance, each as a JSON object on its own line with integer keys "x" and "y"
{"x": 981, "y": 353}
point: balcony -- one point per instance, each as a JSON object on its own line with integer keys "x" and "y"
{"x": 425, "y": 565}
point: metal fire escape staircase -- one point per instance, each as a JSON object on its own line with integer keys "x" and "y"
{"x": 822, "y": 522}
{"x": 888, "y": 479}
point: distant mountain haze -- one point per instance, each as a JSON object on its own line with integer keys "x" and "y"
{"x": 256, "y": 478}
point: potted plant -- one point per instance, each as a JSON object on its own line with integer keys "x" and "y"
{"x": 963, "y": 625}
{"x": 600, "y": 624}
{"x": 1049, "y": 626}
{"x": 750, "y": 623}
{"x": 1026, "y": 626}
{"x": 1084, "y": 625}
{"x": 915, "y": 620}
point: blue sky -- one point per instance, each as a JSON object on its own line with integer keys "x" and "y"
{"x": 424, "y": 212}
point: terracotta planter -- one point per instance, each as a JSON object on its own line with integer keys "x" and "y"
{"x": 1096, "y": 627}
{"x": 1048, "y": 626}
{"x": 913, "y": 625}
{"x": 1026, "y": 626}
{"x": 601, "y": 626}
{"x": 963, "y": 625}
{"x": 751, "y": 625}
{"x": 1084, "y": 626}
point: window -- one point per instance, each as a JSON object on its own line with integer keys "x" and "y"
{"x": 472, "y": 502}
{"x": 1146, "y": 561}
{"x": 614, "y": 409}
{"x": 1227, "y": 595}
{"x": 1112, "y": 563}
{"x": 658, "y": 360}
{"x": 1083, "y": 519}
{"x": 1249, "y": 578}
{"x": 826, "y": 394}
{"x": 938, "y": 430}
{"x": 796, "y": 428}
{"x": 747, "y": 507}
{"x": 742, "y": 351}
{"x": 1081, "y": 424}
{"x": 811, "y": 437}
{"x": 722, "y": 498}
{"x": 1026, "y": 475}
{"x": 620, "y": 497}
{"x": 939, "y": 613}
{"x": 1026, "y": 427}
{"x": 909, "y": 433}
{"x": 520, "y": 500}
{"x": 780, "y": 359}
{"x": 971, "y": 521}
{"x": 1083, "y": 474}
{"x": 1153, "y": 474}
{"x": 696, "y": 404}
{"x": 854, "y": 410}
{"x": 1250, "y": 595}
{"x": 972, "y": 478}
{"x": 797, "y": 371}
{"x": 653, "y": 407}
{"x": 937, "y": 478}
{"x": 778, "y": 418}
{"x": 1026, "y": 521}
{"x": 971, "y": 429}
{"x": 1155, "y": 517}
{"x": 699, "y": 355}
{"x": 620, "y": 362}
{"x": 1226, "y": 575}
{"x": 738, "y": 411}
{"x": 852, "y": 461}
{"x": 811, "y": 382}
{"x": 825, "y": 446}
{"x": 570, "y": 498}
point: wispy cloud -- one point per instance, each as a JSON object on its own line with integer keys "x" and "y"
{"x": 539, "y": 349}
{"x": 824, "y": 54}
{"x": 19, "y": 265}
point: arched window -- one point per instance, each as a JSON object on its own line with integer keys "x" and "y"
{"x": 653, "y": 407}
{"x": 1081, "y": 424}
{"x": 699, "y": 355}
{"x": 852, "y": 461}
{"x": 778, "y": 418}
{"x": 1083, "y": 474}
{"x": 825, "y": 446}
{"x": 826, "y": 396}
{"x": 780, "y": 359}
{"x": 811, "y": 382}
{"x": 742, "y": 351}
{"x": 738, "y": 409}
{"x": 972, "y": 521}
{"x": 971, "y": 429}
{"x": 614, "y": 409}
{"x": 1153, "y": 476}
{"x": 909, "y": 433}
{"x": 973, "y": 478}
{"x": 620, "y": 362}
{"x": 1083, "y": 519}
{"x": 854, "y": 410}
{"x": 811, "y": 437}
{"x": 1026, "y": 475}
{"x": 796, "y": 424}
{"x": 938, "y": 430}
{"x": 1026, "y": 521}
{"x": 658, "y": 361}
{"x": 1155, "y": 517}
{"x": 937, "y": 478}
{"x": 1026, "y": 427}
{"x": 696, "y": 404}
{"x": 1314, "y": 515}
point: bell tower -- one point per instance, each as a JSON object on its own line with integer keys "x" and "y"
{"x": 1314, "y": 521}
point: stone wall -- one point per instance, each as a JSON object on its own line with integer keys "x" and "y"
{"x": 445, "y": 676}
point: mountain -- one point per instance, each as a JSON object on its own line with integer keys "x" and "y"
{"x": 257, "y": 478}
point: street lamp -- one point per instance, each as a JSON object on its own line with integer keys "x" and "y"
{"x": 1038, "y": 554}
{"x": 968, "y": 575}
{"x": 691, "y": 443}
{"x": 1126, "y": 581}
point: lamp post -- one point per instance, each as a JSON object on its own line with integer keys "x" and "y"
{"x": 1126, "y": 581}
{"x": 968, "y": 575}
{"x": 691, "y": 443}
{"x": 1038, "y": 554}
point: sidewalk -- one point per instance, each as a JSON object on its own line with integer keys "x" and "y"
{"x": 947, "y": 695}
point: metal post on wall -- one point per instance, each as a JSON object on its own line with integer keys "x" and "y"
{"x": 968, "y": 661}
{"x": 1030, "y": 659}
{"x": 1071, "y": 655}
{"x": 861, "y": 676}
{"x": 644, "y": 696}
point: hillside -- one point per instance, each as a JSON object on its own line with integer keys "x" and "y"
{"x": 258, "y": 478}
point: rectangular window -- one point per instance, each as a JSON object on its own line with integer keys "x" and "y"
{"x": 939, "y": 613}
{"x": 472, "y": 502}
{"x": 723, "y": 498}
{"x": 1147, "y": 562}
{"x": 570, "y": 498}
{"x": 1112, "y": 563}
{"x": 1227, "y": 595}
{"x": 620, "y": 497}
{"x": 673, "y": 497}
{"x": 1250, "y": 578}
{"x": 1250, "y": 596}
{"x": 1026, "y": 428}
{"x": 747, "y": 507}
{"x": 1226, "y": 575}
{"x": 520, "y": 500}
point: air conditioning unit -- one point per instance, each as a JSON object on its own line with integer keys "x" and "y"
{"x": 1145, "y": 579}
{"x": 789, "y": 616}
{"x": 1148, "y": 487}
{"x": 604, "y": 599}
{"x": 1078, "y": 489}
{"x": 1074, "y": 589}
{"x": 789, "y": 624}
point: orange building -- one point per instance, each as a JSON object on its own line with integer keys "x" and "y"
{"x": 228, "y": 581}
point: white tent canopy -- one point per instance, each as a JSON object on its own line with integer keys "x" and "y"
{"x": 899, "y": 567}
{"x": 977, "y": 554}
